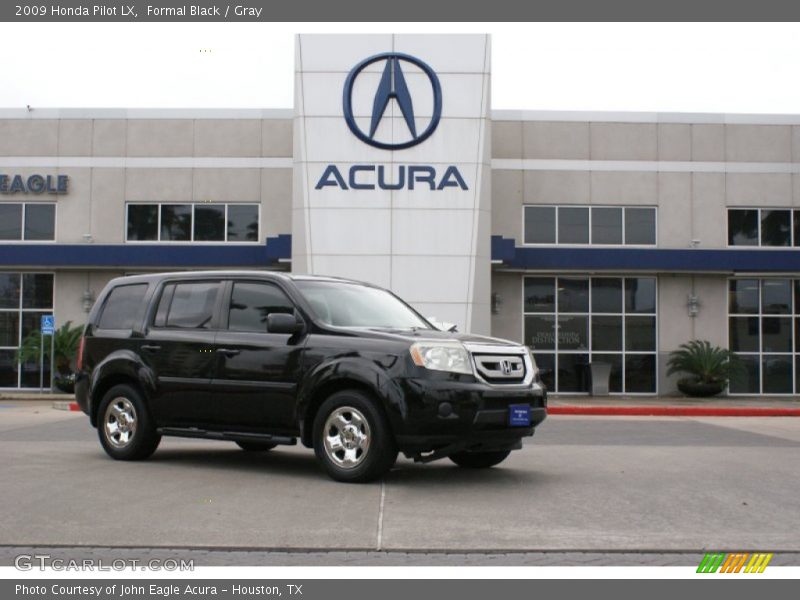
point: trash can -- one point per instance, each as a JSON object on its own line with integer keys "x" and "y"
{"x": 601, "y": 373}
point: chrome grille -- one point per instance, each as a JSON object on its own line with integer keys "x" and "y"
{"x": 500, "y": 368}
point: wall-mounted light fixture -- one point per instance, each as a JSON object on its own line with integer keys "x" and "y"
{"x": 87, "y": 300}
{"x": 693, "y": 304}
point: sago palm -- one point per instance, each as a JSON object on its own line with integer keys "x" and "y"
{"x": 704, "y": 363}
{"x": 65, "y": 345}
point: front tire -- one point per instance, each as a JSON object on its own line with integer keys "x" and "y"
{"x": 124, "y": 425}
{"x": 352, "y": 438}
{"x": 479, "y": 460}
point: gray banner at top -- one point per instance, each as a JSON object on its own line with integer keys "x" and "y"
{"x": 404, "y": 10}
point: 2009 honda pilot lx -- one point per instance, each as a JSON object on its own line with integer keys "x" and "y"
{"x": 263, "y": 359}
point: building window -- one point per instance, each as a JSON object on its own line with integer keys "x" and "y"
{"x": 590, "y": 225}
{"x": 142, "y": 222}
{"x": 763, "y": 327}
{"x": 176, "y": 222}
{"x": 207, "y": 222}
{"x": 540, "y": 224}
{"x": 24, "y": 298}
{"x": 766, "y": 227}
{"x": 28, "y": 222}
{"x": 571, "y": 322}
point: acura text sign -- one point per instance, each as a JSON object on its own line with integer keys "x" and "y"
{"x": 392, "y": 87}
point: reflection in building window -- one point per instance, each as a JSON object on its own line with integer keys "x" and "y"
{"x": 571, "y": 322}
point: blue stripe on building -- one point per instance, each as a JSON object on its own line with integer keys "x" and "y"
{"x": 504, "y": 251}
{"x": 696, "y": 260}
{"x": 147, "y": 255}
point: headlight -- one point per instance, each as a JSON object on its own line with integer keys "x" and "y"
{"x": 441, "y": 356}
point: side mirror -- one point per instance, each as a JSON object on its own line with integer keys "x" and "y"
{"x": 283, "y": 323}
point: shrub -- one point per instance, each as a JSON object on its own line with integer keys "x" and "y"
{"x": 65, "y": 346}
{"x": 704, "y": 363}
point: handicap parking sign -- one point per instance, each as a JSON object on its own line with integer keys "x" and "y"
{"x": 48, "y": 325}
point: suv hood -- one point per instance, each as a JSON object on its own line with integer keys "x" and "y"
{"x": 416, "y": 335}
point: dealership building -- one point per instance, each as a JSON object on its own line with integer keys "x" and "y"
{"x": 595, "y": 238}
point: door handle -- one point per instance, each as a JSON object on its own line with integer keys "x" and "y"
{"x": 150, "y": 348}
{"x": 228, "y": 351}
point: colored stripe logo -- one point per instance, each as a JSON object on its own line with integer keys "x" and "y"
{"x": 734, "y": 562}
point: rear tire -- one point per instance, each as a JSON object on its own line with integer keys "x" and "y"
{"x": 352, "y": 438}
{"x": 126, "y": 430}
{"x": 256, "y": 446}
{"x": 479, "y": 460}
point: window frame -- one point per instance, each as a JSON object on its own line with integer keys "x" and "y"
{"x": 624, "y": 314}
{"x": 224, "y": 324}
{"x": 137, "y": 321}
{"x": 623, "y": 208}
{"x": 20, "y": 311}
{"x": 792, "y": 316}
{"x": 213, "y": 325}
{"x": 760, "y": 246}
{"x": 192, "y": 239}
{"x": 23, "y": 220}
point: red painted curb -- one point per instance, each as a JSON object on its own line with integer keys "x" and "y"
{"x": 73, "y": 406}
{"x": 677, "y": 411}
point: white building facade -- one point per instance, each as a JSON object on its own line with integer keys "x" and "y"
{"x": 591, "y": 237}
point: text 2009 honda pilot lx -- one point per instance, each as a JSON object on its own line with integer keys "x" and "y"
{"x": 262, "y": 359}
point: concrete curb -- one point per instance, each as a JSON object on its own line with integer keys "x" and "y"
{"x": 66, "y": 405}
{"x": 676, "y": 411}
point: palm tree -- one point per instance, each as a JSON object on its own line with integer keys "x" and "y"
{"x": 65, "y": 346}
{"x": 710, "y": 368}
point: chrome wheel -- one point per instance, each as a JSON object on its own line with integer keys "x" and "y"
{"x": 120, "y": 422}
{"x": 347, "y": 437}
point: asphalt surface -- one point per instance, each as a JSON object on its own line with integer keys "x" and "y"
{"x": 584, "y": 490}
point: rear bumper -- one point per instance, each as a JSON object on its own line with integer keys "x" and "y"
{"x": 82, "y": 392}
{"x": 464, "y": 416}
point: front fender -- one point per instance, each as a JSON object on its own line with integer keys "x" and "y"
{"x": 378, "y": 374}
{"x": 117, "y": 366}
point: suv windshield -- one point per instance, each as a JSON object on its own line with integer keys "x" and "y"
{"x": 353, "y": 305}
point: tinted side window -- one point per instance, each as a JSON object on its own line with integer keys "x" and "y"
{"x": 251, "y": 303}
{"x": 192, "y": 305}
{"x": 123, "y": 307}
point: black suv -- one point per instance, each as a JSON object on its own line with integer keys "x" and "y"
{"x": 262, "y": 359}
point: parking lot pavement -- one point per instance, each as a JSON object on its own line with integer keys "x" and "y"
{"x": 583, "y": 486}
{"x": 391, "y": 558}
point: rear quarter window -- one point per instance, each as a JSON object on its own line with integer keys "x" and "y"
{"x": 124, "y": 307}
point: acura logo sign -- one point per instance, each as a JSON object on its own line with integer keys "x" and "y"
{"x": 392, "y": 86}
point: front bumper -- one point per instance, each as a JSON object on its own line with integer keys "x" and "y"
{"x": 459, "y": 415}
